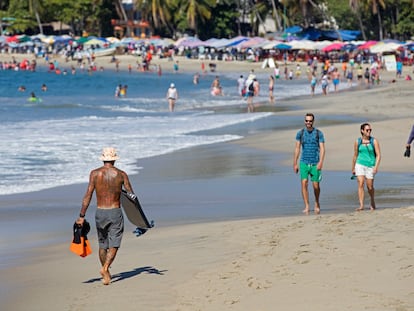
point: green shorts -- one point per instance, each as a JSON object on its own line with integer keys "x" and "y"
{"x": 312, "y": 170}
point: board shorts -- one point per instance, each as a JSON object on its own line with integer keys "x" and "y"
{"x": 310, "y": 169}
{"x": 109, "y": 226}
{"x": 362, "y": 170}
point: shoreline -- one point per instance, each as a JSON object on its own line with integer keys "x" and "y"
{"x": 233, "y": 277}
{"x": 252, "y": 263}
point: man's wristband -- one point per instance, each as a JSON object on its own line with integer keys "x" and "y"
{"x": 81, "y": 215}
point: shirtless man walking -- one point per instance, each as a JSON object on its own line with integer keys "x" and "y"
{"x": 107, "y": 181}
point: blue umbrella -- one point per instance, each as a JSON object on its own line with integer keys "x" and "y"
{"x": 410, "y": 46}
{"x": 349, "y": 47}
{"x": 282, "y": 46}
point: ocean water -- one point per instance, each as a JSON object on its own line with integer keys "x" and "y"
{"x": 55, "y": 141}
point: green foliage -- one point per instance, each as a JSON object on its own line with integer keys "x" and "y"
{"x": 214, "y": 18}
{"x": 405, "y": 26}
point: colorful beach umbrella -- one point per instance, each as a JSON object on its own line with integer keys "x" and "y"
{"x": 282, "y": 46}
{"x": 382, "y": 47}
{"x": 95, "y": 41}
{"x": 336, "y": 46}
{"x": 367, "y": 45}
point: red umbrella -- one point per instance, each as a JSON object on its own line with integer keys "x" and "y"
{"x": 12, "y": 39}
{"x": 367, "y": 45}
{"x": 333, "y": 47}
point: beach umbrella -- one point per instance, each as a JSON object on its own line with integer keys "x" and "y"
{"x": 112, "y": 39}
{"x": 270, "y": 44}
{"x": 94, "y": 41}
{"x": 336, "y": 46}
{"x": 63, "y": 39}
{"x": 382, "y": 47}
{"x": 82, "y": 40}
{"x": 319, "y": 45}
{"x": 282, "y": 46}
{"x": 367, "y": 45}
{"x": 13, "y": 39}
{"x": 348, "y": 47}
{"x": 409, "y": 46}
{"x": 48, "y": 39}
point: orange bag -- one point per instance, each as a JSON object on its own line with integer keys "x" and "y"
{"x": 80, "y": 244}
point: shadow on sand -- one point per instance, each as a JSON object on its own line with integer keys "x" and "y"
{"x": 129, "y": 274}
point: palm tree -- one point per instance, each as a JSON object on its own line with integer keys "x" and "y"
{"x": 375, "y": 10}
{"x": 34, "y": 7}
{"x": 276, "y": 16}
{"x": 304, "y": 8}
{"x": 122, "y": 14}
{"x": 355, "y": 7}
{"x": 196, "y": 11}
{"x": 156, "y": 11}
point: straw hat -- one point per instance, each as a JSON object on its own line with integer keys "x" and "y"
{"x": 109, "y": 154}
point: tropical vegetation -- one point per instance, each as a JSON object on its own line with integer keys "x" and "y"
{"x": 376, "y": 19}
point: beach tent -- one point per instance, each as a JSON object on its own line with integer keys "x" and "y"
{"x": 302, "y": 45}
{"x": 293, "y": 29}
{"x": 219, "y": 43}
{"x": 188, "y": 42}
{"x": 251, "y": 43}
{"x": 236, "y": 40}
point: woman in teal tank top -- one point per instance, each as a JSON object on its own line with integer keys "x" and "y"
{"x": 367, "y": 157}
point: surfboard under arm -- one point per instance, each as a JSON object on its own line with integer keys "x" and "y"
{"x": 134, "y": 212}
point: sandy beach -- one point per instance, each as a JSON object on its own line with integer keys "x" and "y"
{"x": 346, "y": 261}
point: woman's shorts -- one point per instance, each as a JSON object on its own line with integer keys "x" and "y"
{"x": 109, "y": 226}
{"x": 362, "y": 170}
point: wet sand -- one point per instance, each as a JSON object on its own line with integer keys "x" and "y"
{"x": 338, "y": 260}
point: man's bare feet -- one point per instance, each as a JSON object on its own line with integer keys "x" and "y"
{"x": 106, "y": 277}
{"x": 317, "y": 209}
{"x": 372, "y": 208}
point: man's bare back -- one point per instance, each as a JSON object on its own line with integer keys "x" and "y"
{"x": 108, "y": 184}
{"x": 107, "y": 181}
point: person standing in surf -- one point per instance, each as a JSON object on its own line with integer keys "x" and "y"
{"x": 312, "y": 142}
{"x": 172, "y": 96}
{"x": 107, "y": 182}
